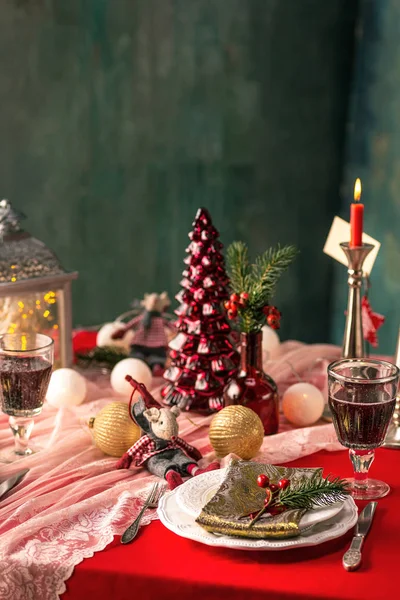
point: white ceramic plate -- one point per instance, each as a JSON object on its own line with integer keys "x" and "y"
{"x": 184, "y": 525}
{"x": 197, "y": 491}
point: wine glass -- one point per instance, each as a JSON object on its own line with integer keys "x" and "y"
{"x": 362, "y": 397}
{"x": 26, "y": 361}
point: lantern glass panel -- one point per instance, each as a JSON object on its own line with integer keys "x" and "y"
{"x": 36, "y": 312}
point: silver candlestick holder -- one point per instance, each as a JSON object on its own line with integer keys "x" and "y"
{"x": 353, "y": 340}
{"x": 393, "y": 435}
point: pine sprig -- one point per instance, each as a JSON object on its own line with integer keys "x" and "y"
{"x": 307, "y": 494}
{"x": 258, "y": 280}
{"x": 267, "y": 270}
{"x": 313, "y": 492}
{"x": 238, "y": 266}
{"x": 105, "y": 356}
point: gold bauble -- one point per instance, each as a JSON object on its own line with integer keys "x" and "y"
{"x": 114, "y": 432}
{"x": 236, "y": 429}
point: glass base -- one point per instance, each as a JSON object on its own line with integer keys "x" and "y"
{"x": 372, "y": 489}
{"x": 11, "y": 456}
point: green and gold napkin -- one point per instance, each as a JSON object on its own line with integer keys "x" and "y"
{"x": 239, "y": 495}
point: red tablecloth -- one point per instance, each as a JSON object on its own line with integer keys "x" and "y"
{"x": 161, "y": 565}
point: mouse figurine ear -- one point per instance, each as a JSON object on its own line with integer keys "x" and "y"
{"x": 175, "y": 411}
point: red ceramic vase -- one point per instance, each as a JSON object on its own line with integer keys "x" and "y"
{"x": 251, "y": 387}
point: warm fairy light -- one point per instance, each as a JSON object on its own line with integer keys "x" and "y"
{"x": 13, "y": 279}
{"x": 13, "y": 266}
{"x": 32, "y": 313}
{"x": 23, "y": 342}
{"x": 50, "y": 297}
{"x": 357, "y": 190}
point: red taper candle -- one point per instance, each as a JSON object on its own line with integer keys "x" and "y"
{"x": 356, "y": 217}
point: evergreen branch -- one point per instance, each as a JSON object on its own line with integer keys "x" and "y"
{"x": 106, "y": 356}
{"x": 258, "y": 280}
{"x": 238, "y": 267}
{"x": 313, "y": 492}
{"x": 266, "y": 272}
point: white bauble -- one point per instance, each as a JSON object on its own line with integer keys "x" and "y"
{"x": 270, "y": 341}
{"x": 303, "y": 404}
{"x": 105, "y": 332}
{"x": 129, "y": 366}
{"x": 66, "y": 388}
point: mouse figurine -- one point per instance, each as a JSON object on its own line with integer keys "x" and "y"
{"x": 160, "y": 450}
{"x": 150, "y": 342}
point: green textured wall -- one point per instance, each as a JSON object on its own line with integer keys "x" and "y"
{"x": 120, "y": 117}
{"x": 374, "y": 155}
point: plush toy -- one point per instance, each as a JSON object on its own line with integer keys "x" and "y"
{"x": 160, "y": 450}
{"x": 150, "y": 340}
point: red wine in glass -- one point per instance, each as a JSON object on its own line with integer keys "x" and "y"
{"x": 23, "y": 384}
{"x": 362, "y": 425}
{"x": 362, "y": 398}
{"x": 26, "y": 361}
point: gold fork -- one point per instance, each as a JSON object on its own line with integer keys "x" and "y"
{"x": 151, "y": 502}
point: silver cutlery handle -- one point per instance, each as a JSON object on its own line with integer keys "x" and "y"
{"x": 352, "y": 558}
{"x": 131, "y": 532}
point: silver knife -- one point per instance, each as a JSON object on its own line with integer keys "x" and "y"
{"x": 352, "y": 558}
{"x": 11, "y": 482}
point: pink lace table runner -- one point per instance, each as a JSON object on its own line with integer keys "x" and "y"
{"x": 73, "y": 501}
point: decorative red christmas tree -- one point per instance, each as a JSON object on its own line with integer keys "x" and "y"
{"x": 202, "y": 354}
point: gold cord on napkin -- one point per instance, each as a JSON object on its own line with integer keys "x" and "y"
{"x": 239, "y": 495}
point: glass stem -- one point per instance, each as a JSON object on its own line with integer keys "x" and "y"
{"x": 361, "y": 461}
{"x": 22, "y": 429}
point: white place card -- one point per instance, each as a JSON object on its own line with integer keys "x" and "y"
{"x": 340, "y": 232}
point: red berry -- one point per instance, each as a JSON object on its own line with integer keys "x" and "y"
{"x": 283, "y": 484}
{"x": 276, "y": 510}
{"x": 266, "y": 310}
{"x": 232, "y": 313}
{"x": 273, "y": 487}
{"x": 273, "y": 321}
{"x": 227, "y": 304}
{"x": 263, "y": 481}
{"x": 244, "y": 296}
{"x": 234, "y": 298}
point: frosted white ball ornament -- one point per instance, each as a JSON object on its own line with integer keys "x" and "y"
{"x": 303, "y": 404}
{"x": 105, "y": 332}
{"x": 270, "y": 341}
{"x": 135, "y": 368}
{"x": 66, "y": 388}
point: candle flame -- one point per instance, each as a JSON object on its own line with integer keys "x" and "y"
{"x": 357, "y": 190}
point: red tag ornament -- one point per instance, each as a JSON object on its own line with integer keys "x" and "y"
{"x": 371, "y": 322}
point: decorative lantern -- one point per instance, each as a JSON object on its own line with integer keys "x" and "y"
{"x": 35, "y": 291}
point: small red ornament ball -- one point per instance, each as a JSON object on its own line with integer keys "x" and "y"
{"x": 263, "y": 481}
{"x": 227, "y": 304}
{"x": 232, "y": 313}
{"x": 283, "y": 484}
{"x": 244, "y": 297}
{"x": 273, "y": 321}
{"x": 234, "y": 298}
{"x": 274, "y": 487}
